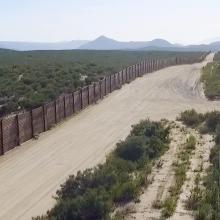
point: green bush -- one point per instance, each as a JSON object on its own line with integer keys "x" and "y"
{"x": 191, "y": 118}
{"x": 169, "y": 207}
{"x": 93, "y": 194}
{"x": 124, "y": 193}
{"x": 131, "y": 149}
{"x": 92, "y": 205}
{"x": 205, "y": 212}
{"x": 212, "y": 120}
{"x": 211, "y": 79}
{"x": 191, "y": 143}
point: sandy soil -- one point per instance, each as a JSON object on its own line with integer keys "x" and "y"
{"x": 163, "y": 177}
{"x": 32, "y": 173}
{"x": 200, "y": 157}
{"x": 160, "y": 180}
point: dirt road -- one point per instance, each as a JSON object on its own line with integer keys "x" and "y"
{"x": 31, "y": 174}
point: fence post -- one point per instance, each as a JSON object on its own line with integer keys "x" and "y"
{"x": 44, "y": 118}
{"x": 88, "y": 94}
{"x": 81, "y": 98}
{"x": 145, "y": 68}
{"x": 18, "y": 132}
{"x": 142, "y": 68}
{"x": 64, "y": 106}
{"x": 105, "y": 86}
{"x": 55, "y": 106}
{"x": 32, "y": 124}
{"x": 73, "y": 102}
{"x": 114, "y": 81}
{"x": 2, "y": 142}
{"x": 110, "y": 78}
{"x": 122, "y": 77}
{"x": 94, "y": 98}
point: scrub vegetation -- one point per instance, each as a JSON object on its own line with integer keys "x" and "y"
{"x": 180, "y": 168}
{"x": 95, "y": 193}
{"x": 29, "y": 79}
{"x": 205, "y": 199}
{"x": 211, "y": 78}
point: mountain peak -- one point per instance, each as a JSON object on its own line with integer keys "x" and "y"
{"x": 103, "y": 38}
{"x": 160, "y": 43}
{"x": 105, "y": 43}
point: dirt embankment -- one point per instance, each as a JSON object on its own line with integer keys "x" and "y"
{"x": 32, "y": 173}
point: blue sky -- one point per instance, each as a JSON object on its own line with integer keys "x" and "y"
{"x": 182, "y": 21}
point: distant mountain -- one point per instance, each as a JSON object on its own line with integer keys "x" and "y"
{"x": 104, "y": 43}
{"x": 26, "y": 46}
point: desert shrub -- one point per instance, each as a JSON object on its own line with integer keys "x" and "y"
{"x": 191, "y": 143}
{"x": 124, "y": 193}
{"x": 212, "y": 120}
{"x": 211, "y": 79}
{"x": 131, "y": 149}
{"x": 191, "y": 118}
{"x": 205, "y": 212}
{"x": 169, "y": 206}
{"x": 217, "y": 134}
{"x": 150, "y": 129}
{"x": 92, "y": 205}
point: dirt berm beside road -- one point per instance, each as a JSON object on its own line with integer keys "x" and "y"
{"x": 31, "y": 174}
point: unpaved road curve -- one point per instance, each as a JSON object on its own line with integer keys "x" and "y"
{"x": 31, "y": 174}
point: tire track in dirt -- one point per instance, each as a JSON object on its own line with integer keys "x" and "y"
{"x": 199, "y": 164}
{"x": 160, "y": 180}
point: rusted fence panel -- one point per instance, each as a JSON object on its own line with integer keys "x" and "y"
{"x": 116, "y": 81}
{"x": 108, "y": 85}
{"x": 102, "y": 82}
{"x": 130, "y": 73}
{"x": 50, "y": 115}
{"x": 1, "y": 139}
{"x": 144, "y": 67}
{"x": 133, "y": 73}
{"x": 25, "y": 127}
{"x": 85, "y": 96}
{"x": 10, "y": 133}
{"x": 139, "y": 72}
{"x": 124, "y": 75}
{"x": 68, "y": 101}
{"x": 77, "y": 101}
{"x": 91, "y": 93}
{"x": 120, "y": 79}
{"x": 60, "y": 111}
{"x": 38, "y": 120}
{"x": 141, "y": 69}
{"x": 112, "y": 78}
{"x": 97, "y": 90}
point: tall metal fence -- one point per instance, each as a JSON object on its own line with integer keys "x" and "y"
{"x": 16, "y": 129}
